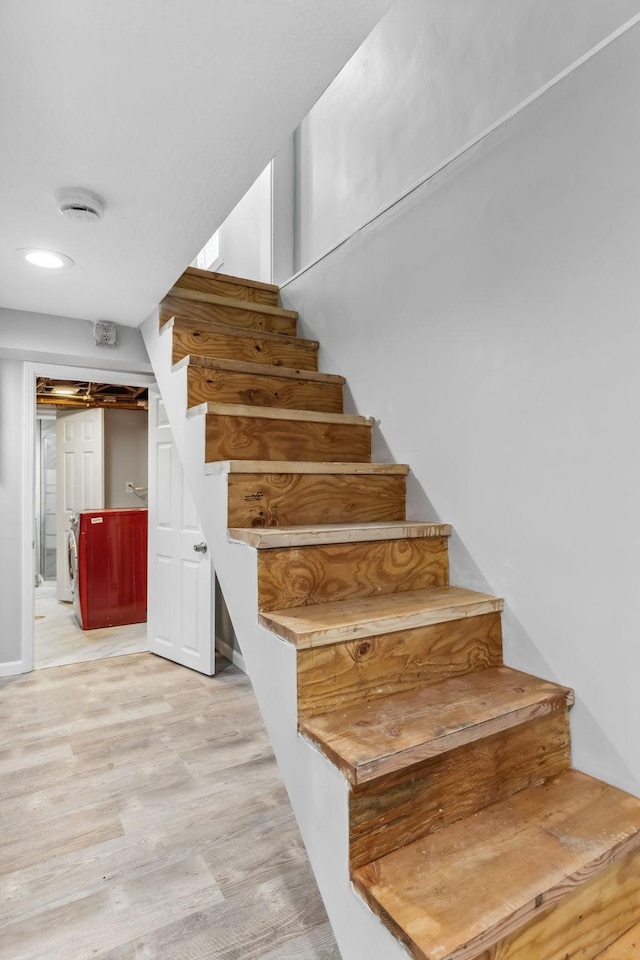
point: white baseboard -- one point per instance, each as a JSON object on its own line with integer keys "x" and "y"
{"x": 12, "y": 668}
{"x": 234, "y": 656}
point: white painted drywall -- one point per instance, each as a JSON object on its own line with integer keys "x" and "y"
{"x": 245, "y": 236}
{"x": 431, "y": 77}
{"x": 11, "y": 508}
{"x": 44, "y": 337}
{"x": 491, "y": 322}
{"x": 125, "y": 456}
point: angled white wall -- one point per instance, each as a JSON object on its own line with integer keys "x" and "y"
{"x": 431, "y": 77}
{"x": 491, "y": 322}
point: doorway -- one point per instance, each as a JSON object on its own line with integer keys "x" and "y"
{"x": 53, "y": 636}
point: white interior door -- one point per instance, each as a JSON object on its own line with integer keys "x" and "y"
{"x": 180, "y": 605}
{"x": 79, "y": 478}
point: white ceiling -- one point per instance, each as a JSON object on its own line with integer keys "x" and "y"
{"x": 168, "y": 109}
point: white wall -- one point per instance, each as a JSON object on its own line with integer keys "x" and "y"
{"x": 245, "y": 235}
{"x": 42, "y": 339}
{"x": 125, "y": 455}
{"x": 11, "y": 506}
{"x": 430, "y": 78}
{"x": 491, "y": 322}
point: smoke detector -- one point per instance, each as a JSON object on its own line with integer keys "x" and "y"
{"x": 80, "y": 205}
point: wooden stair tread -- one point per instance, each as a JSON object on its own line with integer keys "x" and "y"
{"x": 305, "y": 466}
{"x": 324, "y": 623}
{"x": 216, "y": 326}
{"x": 460, "y": 890}
{"x": 258, "y": 369}
{"x": 265, "y": 538}
{"x": 625, "y": 948}
{"x": 227, "y": 278}
{"x": 278, "y": 413}
{"x": 198, "y": 296}
{"x": 377, "y": 737}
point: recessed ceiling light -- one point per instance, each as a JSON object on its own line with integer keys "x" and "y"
{"x": 45, "y": 258}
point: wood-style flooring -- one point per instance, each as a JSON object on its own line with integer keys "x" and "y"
{"x": 143, "y": 818}
{"x": 59, "y": 639}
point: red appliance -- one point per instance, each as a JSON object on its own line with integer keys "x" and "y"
{"x": 108, "y": 549}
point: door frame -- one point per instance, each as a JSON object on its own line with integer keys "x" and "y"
{"x": 57, "y": 371}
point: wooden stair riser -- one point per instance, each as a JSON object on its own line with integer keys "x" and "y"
{"x": 197, "y": 338}
{"x": 586, "y": 921}
{"x": 256, "y": 438}
{"x": 360, "y": 671}
{"x": 395, "y": 810}
{"x": 243, "y": 317}
{"x": 227, "y": 386}
{"x": 281, "y": 499}
{"x": 626, "y": 948}
{"x": 217, "y": 283}
{"x": 301, "y": 576}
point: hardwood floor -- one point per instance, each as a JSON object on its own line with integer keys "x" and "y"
{"x": 59, "y": 639}
{"x": 143, "y": 818}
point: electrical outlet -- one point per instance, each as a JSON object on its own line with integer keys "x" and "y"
{"x": 129, "y": 487}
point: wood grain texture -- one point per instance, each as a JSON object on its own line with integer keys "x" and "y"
{"x": 208, "y": 281}
{"x": 258, "y": 389}
{"x": 308, "y": 466}
{"x": 589, "y": 918}
{"x": 343, "y": 674}
{"x": 235, "y": 316}
{"x": 164, "y": 833}
{"x": 387, "y": 814}
{"x": 267, "y": 538}
{"x": 627, "y": 947}
{"x": 372, "y": 739}
{"x": 210, "y": 339}
{"x": 326, "y": 623}
{"x": 279, "y": 499}
{"x": 465, "y": 888}
{"x": 254, "y": 438}
{"x": 300, "y": 576}
{"x": 267, "y": 370}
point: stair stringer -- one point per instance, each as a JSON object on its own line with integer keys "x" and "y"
{"x": 318, "y": 792}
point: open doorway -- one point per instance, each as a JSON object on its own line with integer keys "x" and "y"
{"x": 90, "y": 454}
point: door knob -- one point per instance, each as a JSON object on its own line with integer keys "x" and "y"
{"x": 200, "y": 547}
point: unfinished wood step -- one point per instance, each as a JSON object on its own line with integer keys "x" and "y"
{"x": 224, "y": 285}
{"x": 300, "y": 536}
{"x": 253, "y": 384}
{"x": 340, "y": 675}
{"x": 206, "y": 338}
{"x": 336, "y": 572}
{"x": 236, "y": 313}
{"x": 274, "y": 494}
{"x": 327, "y": 623}
{"x": 393, "y": 811}
{"x": 552, "y": 871}
{"x": 371, "y": 740}
{"x": 626, "y": 948}
{"x": 307, "y": 466}
{"x": 237, "y": 431}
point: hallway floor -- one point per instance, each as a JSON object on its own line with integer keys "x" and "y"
{"x": 144, "y": 819}
{"x": 59, "y": 639}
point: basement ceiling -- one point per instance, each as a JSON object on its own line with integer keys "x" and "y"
{"x": 76, "y": 394}
{"x": 168, "y": 111}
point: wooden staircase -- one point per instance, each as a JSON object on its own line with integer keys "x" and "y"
{"x": 470, "y": 835}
